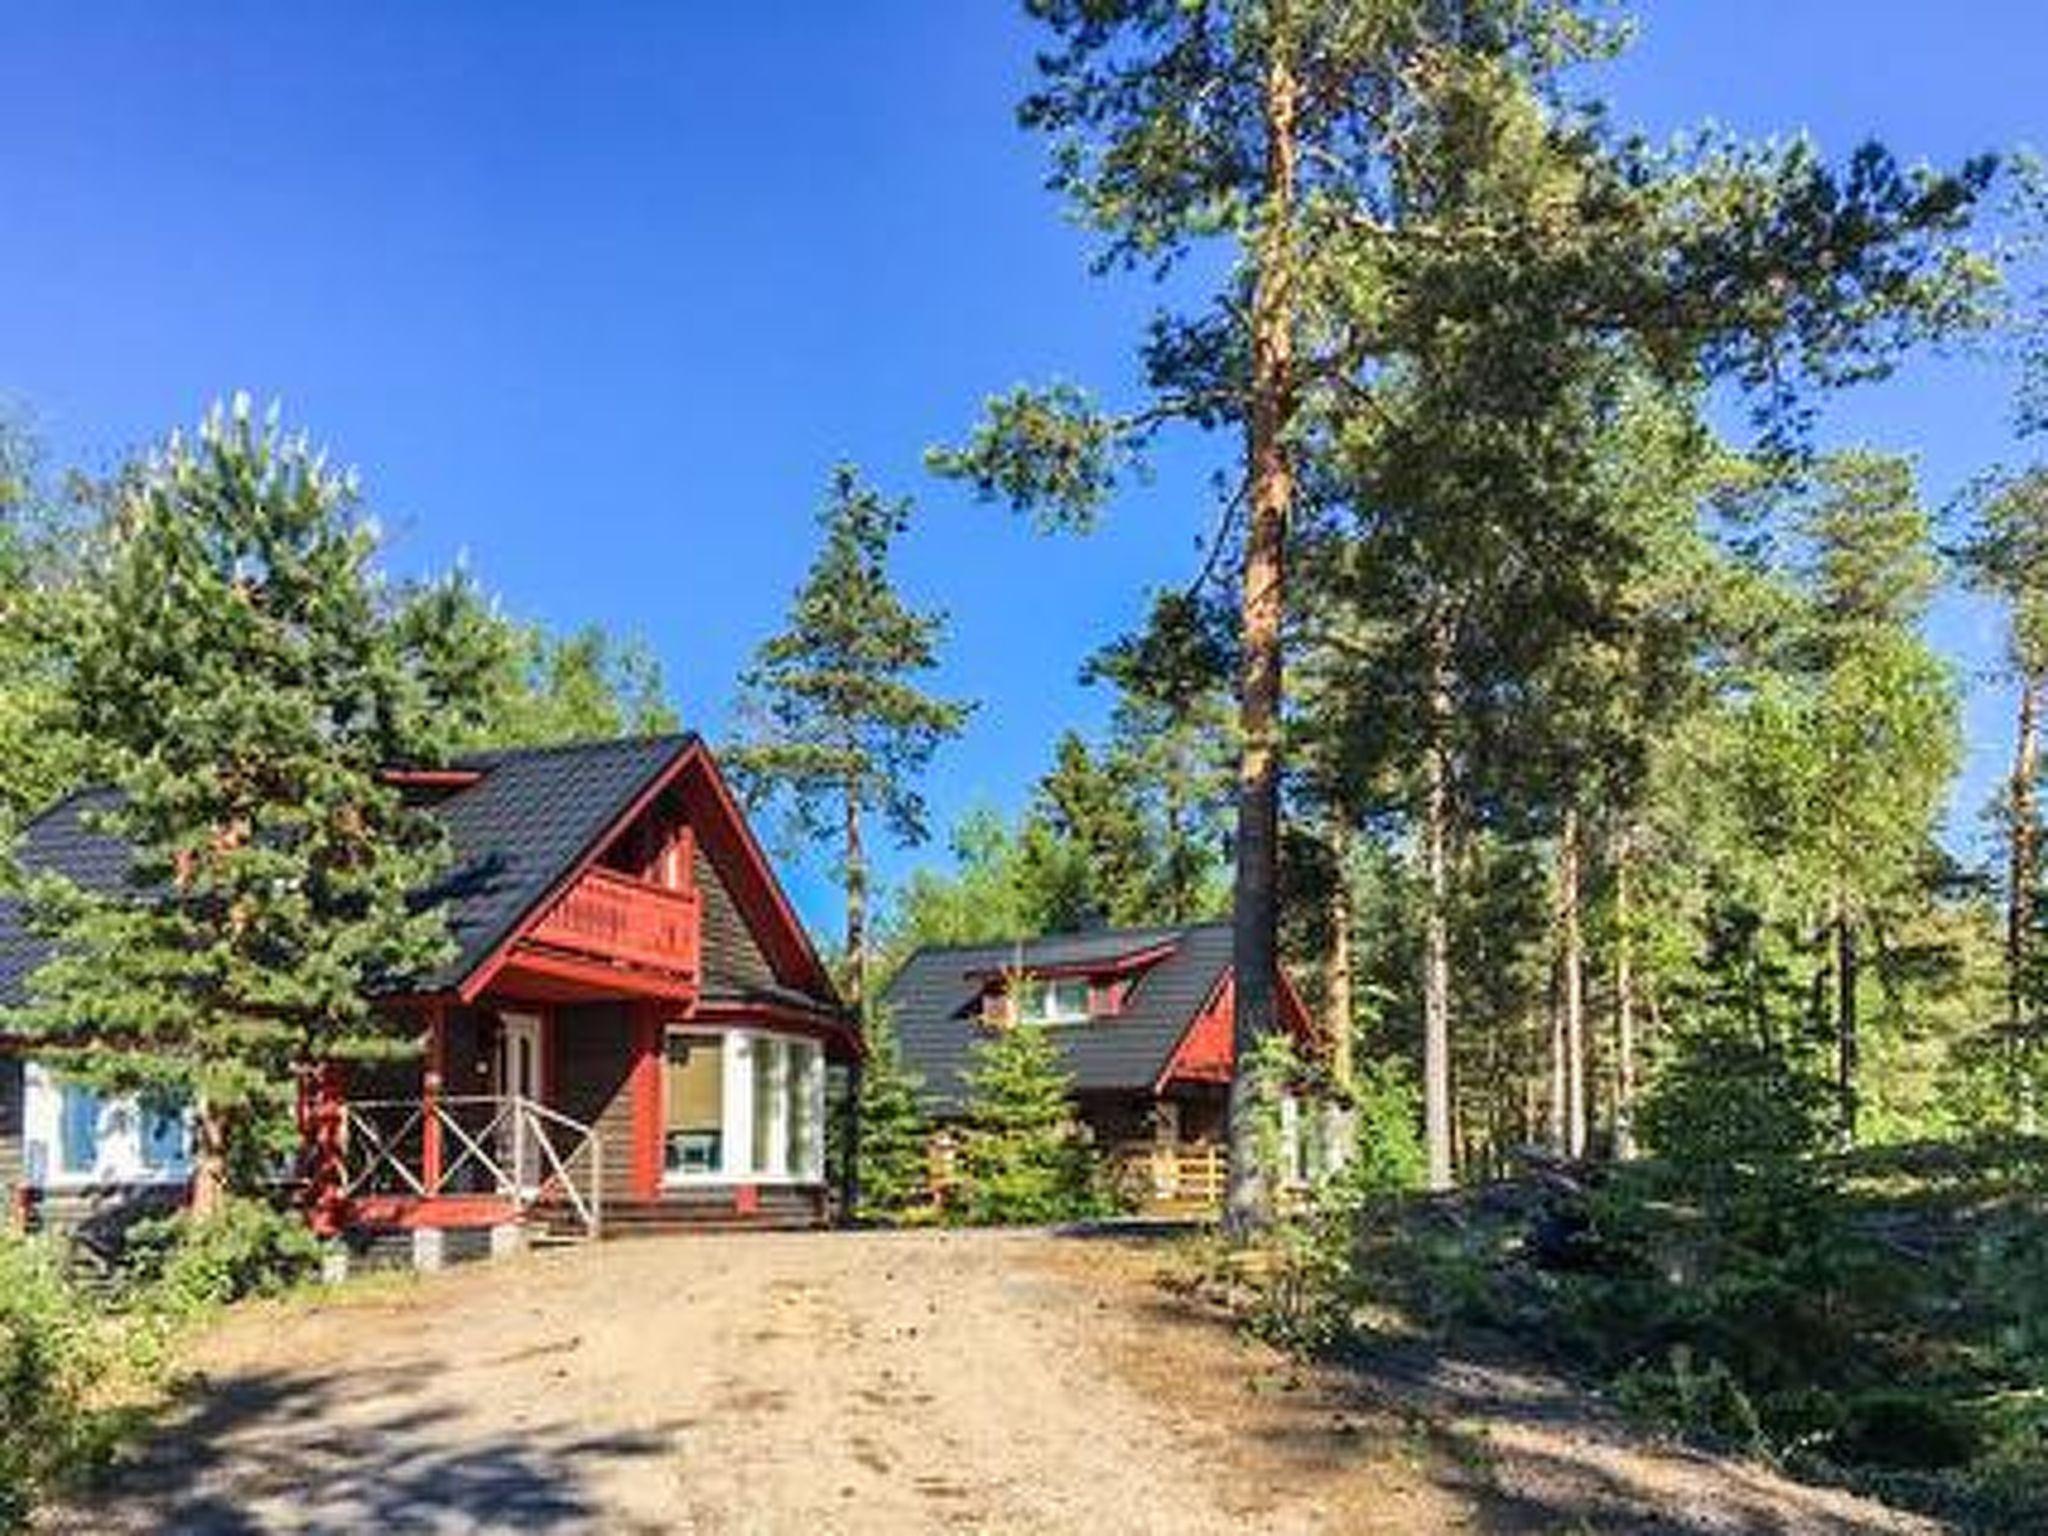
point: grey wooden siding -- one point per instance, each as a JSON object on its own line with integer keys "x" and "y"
{"x": 593, "y": 1083}
{"x": 732, "y": 957}
{"x": 467, "y": 1065}
{"x": 12, "y": 1154}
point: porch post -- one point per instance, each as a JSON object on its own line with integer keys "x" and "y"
{"x": 646, "y": 1099}
{"x": 430, "y": 1095}
{"x": 545, "y": 1069}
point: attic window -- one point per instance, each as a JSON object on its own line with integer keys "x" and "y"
{"x": 1053, "y": 1000}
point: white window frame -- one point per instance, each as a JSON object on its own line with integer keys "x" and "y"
{"x": 1040, "y": 994}
{"x": 737, "y": 1054}
{"x": 118, "y": 1136}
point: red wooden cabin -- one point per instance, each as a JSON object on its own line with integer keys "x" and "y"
{"x": 634, "y": 1030}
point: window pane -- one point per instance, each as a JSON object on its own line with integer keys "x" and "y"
{"x": 803, "y": 1130}
{"x": 164, "y": 1141}
{"x": 767, "y": 1103}
{"x": 1061, "y": 1001}
{"x": 78, "y": 1129}
{"x": 695, "y": 1096}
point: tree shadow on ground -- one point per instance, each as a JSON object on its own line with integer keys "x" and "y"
{"x": 348, "y": 1451}
{"x": 1519, "y": 1449}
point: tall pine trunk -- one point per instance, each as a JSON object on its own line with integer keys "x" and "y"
{"x": 1248, "y": 1205}
{"x": 1570, "y": 1071}
{"x": 1624, "y": 997}
{"x": 1848, "y": 1044}
{"x": 2021, "y": 858}
{"x": 1179, "y": 856}
{"x": 1436, "y": 937}
{"x": 1337, "y": 978}
{"x": 1555, "y": 1126}
{"x": 856, "y": 904}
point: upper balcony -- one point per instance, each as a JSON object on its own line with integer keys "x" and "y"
{"x": 617, "y": 920}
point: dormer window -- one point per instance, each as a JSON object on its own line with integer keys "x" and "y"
{"x": 1053, "y": 1000}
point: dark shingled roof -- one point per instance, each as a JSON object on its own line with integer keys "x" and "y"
{"x": 513, "y": 834}
{"x": 519, "y": 828}
{"x": 934, "y": 1003}
{"x": 58, "y": 839}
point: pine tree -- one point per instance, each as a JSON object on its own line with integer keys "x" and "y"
{"x": 1880, "y": 718}
{"x": 1389, "y": 179}
{"x": 1023, "y": 1159}
{"x": 495, "y": 682}
{"x": 2008, "y": 559}
{"x": 1169, "y": 740}
{"x": 40, "y": 754}
{"x": 236, "y": 673}
{"x": 835, "y": 727}
{"x": 894, "y": 1129}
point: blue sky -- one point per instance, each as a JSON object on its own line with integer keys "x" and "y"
{"x": 598, "y": 293}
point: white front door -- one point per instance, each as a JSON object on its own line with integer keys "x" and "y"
{"x": 518, "y": 1076}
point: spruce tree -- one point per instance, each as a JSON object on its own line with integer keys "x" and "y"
{"x": 239, "y": 682}
{"x": 835, "y": 726}
{"x": 1091, "y": 802}
{"x": 894, "y": 1130}
{"x": 1024, "y": 1157}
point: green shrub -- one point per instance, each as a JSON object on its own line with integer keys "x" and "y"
{"x": 185, "y": 1266}
{"x": 1700, "y": 1397}
{"x": 77, "y": 1365}
{"x": 1389, "y": 1156}
{"x": 1303, "y": 1302}
{"x": 1724, "y": 1106}
{"x": 1905, "y": 1428}
{"x": 57, "y": 1356}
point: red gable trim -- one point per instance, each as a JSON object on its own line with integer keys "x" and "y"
{"x": 1207, "y": 1052}
{"x": 1108, "y": 965}
{"x": 760, "y": 897}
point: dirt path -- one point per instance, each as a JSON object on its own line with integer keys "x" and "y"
{"x": 888, "y": 1383}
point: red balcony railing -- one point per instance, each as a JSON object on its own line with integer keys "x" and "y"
{"x": 610, "y": 916}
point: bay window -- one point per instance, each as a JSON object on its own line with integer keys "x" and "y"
{"x": 743, "y": 1106}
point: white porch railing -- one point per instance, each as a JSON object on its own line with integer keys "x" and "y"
{"x": 504, "y": 1145}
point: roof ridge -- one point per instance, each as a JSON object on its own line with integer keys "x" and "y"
{"x": 1151, "y": 931}
{"x": 673, "y": 740}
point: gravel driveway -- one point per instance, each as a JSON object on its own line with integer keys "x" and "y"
{"x": 886, "y": 1382}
